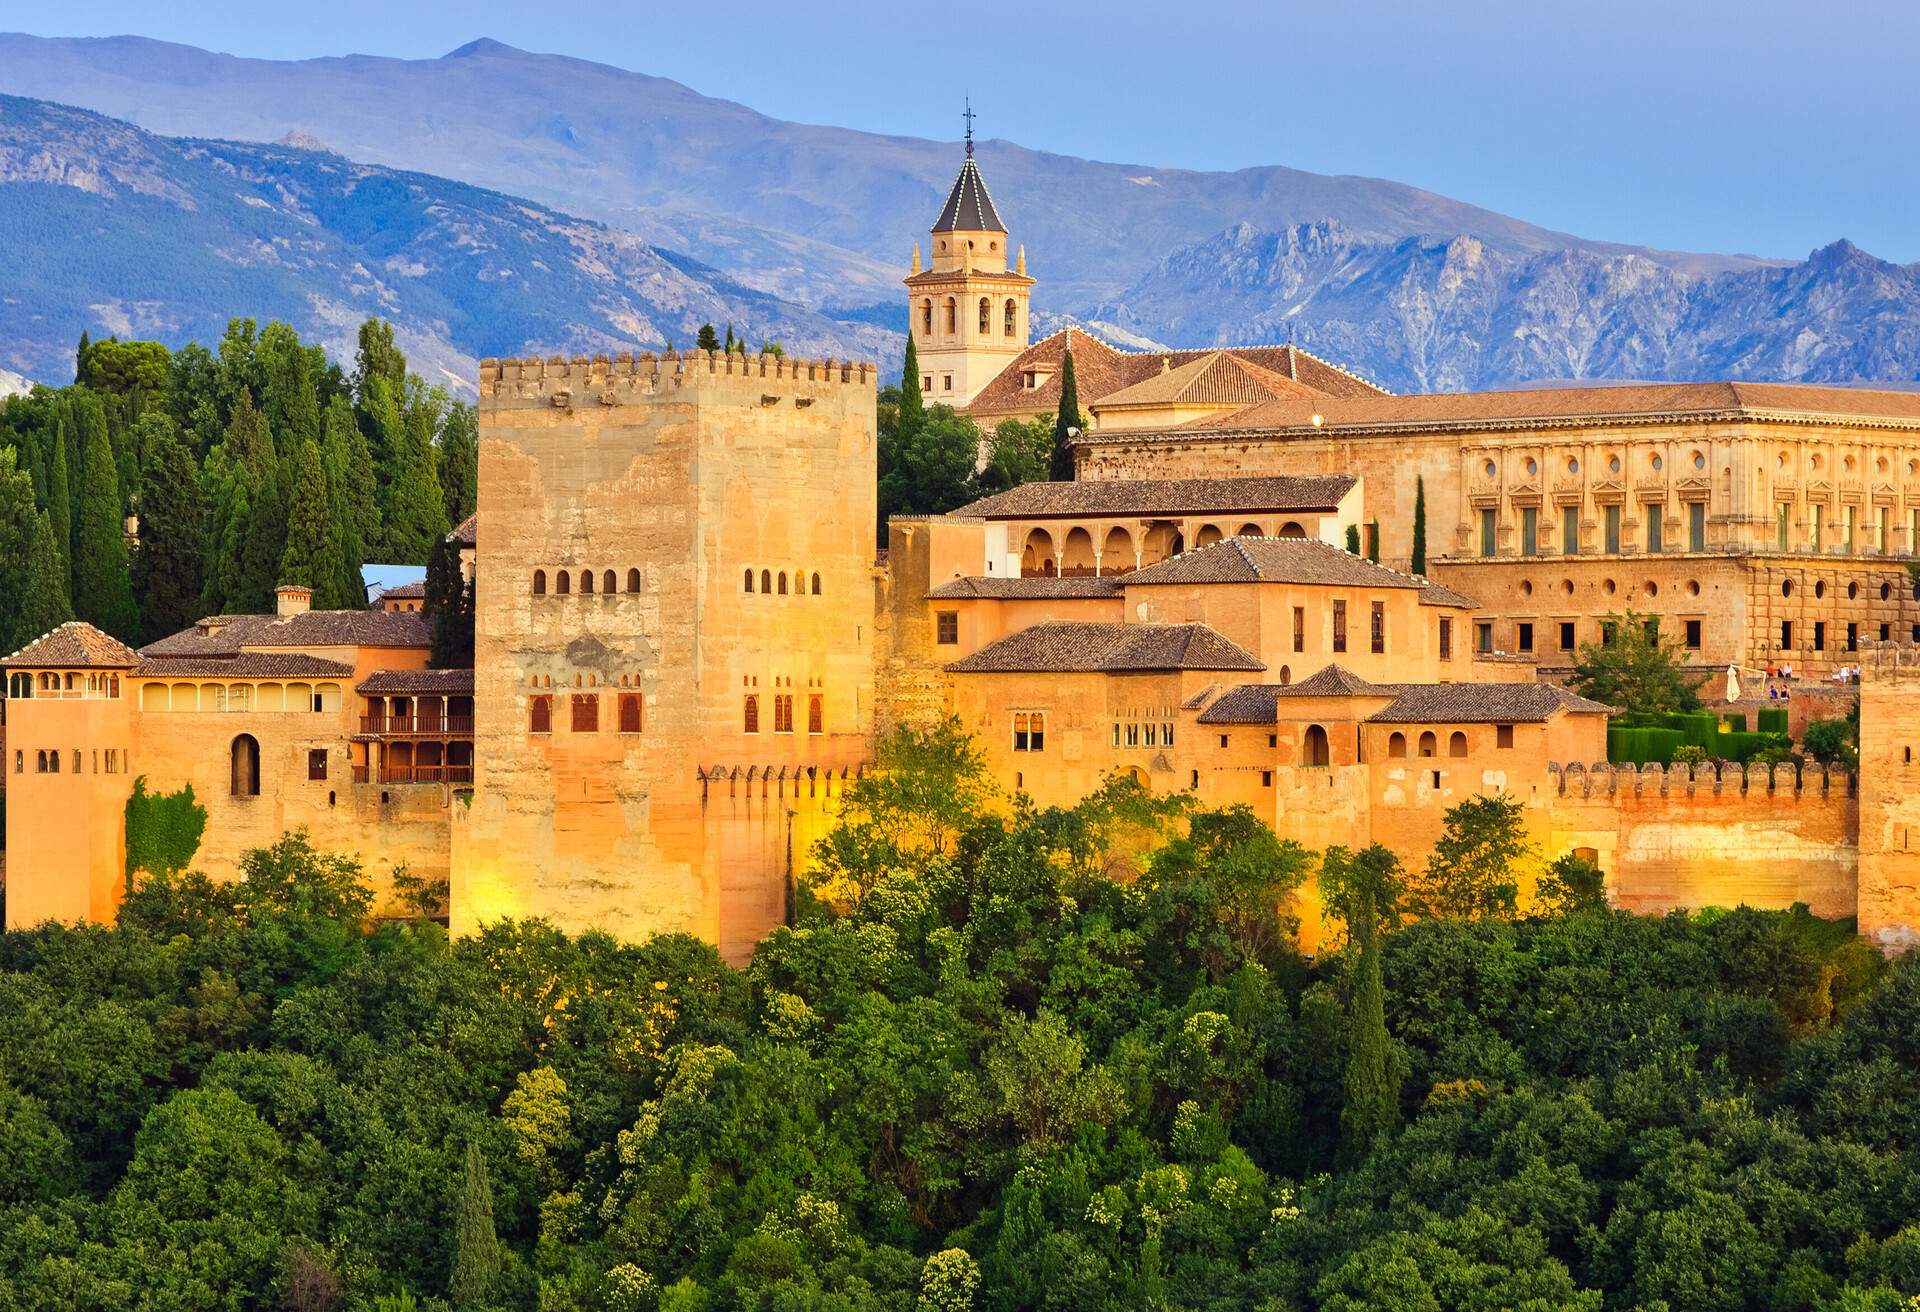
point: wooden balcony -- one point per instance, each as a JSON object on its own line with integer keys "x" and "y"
{"x": 459, "y": 772}
{"x": 418, "y": 726}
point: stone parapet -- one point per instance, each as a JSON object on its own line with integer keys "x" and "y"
{"x": 567, "y": 381}
{"x": 1785, "y": 781}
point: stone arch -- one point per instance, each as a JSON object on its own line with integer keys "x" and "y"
{"x": 586, "y": 583}
{"x": 1036, "y": 557}
{"x": 926, "y": 315}
{"x": 1160, "y": 542}
{"x": 1011, "y": 317}
{"x": 953, "y": 315}
{"x": 1292, "y": 529}
{"x": 1076, "y": 554}
{"x": 562, "y": 584}
{"x": 633, "y": 579}
{"x": 816, "y": 583}
{"x": 1248, "y": 531}
{"x": 539, "y": 583}
{"x": 608, "y": 582}
{"x": 1396, "y": 744}
{"x": 1207, "y": 536}
{"x": 1456, "y": 743}
{"x": 1314, "y": 748}
{"x": 1286, "y": 675}
{"x": 986, "y": 316}
{"x": 243, "y": 760}
{"x": 780, "y": 583}
{"x": 1429, "y": 745}
{"x": 1116, "y": 553}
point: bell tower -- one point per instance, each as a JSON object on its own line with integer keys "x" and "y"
{"x": 967, "y": 312}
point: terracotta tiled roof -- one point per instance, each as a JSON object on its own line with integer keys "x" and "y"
{"x": 468, "y": 533}
{"x": 1481, "y": 703}
{"x": 1100, "y": 370}
{"x": 1108, "y": 648}
{"x": 1016, "y": 589}
{"x": 74, "y": 645}
{"x": 1563, "y": 406}
{"x": 415, "y": 591}
{"x": 1216, "y": 378}
{"x": 1284, "y": 493}
{"x": 428, "y": 681}
{"x": 1250, "y": 703}
{"x": 243, "y": 665}
{"x": 1271, "y": 560}
{"x": 1336, "y": 681}
{"x": 1433, "y": 594}
{"x": 969, "y": 208}
{"x": 224, "y": 635}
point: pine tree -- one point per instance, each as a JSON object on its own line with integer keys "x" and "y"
{"x": 708, "y": 340}
{"x": 1373, "y": 541}
{"x": 459, "y": 462}
{"x": 356, "y": 510}
{"x": 102, "y": 579}
{"x": 169, "y": 573}
{"x": 60, "y": 503}
{"x": 311, "y": 556}
{"x": 913, "y": 406}
{"x": 377, "y": 358}
{"x": 80, "y": 358}
{"x": 476, "y": 1254}
{"x": 43, "y": 594}
{"x": 1419, "y": 525}
{"x": 1066, "y": 422}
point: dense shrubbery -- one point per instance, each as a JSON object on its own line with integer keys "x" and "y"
{"x": 979, "y": 1072}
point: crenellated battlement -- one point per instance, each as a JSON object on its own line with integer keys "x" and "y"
{"x": 610, "y": 380}
{"x": 1897, "y": 660}
{"x": 1782, "y": 782}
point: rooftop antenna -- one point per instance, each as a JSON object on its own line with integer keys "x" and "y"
{"x": 968, "y": 116}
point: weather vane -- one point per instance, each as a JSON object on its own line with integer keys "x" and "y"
{"x": 968, "y": 116}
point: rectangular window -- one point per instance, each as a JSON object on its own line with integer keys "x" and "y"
{"x": 1693, "y": 635}
{"x": 1611, "y": 514}
{"x": 1529, "y": 531}
{"x": 1781, "y": 518}
{"x": 1853, "y": 636}
{"x": 1339, "y": 626}
{"x": 1880, "y": 529}
{"x": 946, "y": 382}
{"x": 630, "y": 712}
{"x": 946, "y": 626}
{"x": 1503, "y": 735}
{"x": 1299, "y": 628}
{"x": 1489, "y": 531}
{"x": 783, "y": 712}
{"x": 1913, "y": 533}
{"x": 1379, "y": 633}
{"x": 1266, "y": 778}
{"x": 1570, "y": 530}
{"x": 1524, "y": 640}
{"x": 1133, "y": 735}
{"x": 1223, "y": 740}
{"x": 1151, "y": 733}
{"x": 1566, "y": 635}
{"x": 752, "y": 718}
{"x": 1818, "y": 534}
{"x": 1819, "y": 635}
{"x": 316, "y": 763}
{"x": 540, "y": 714}
{"x": 586, "y": 712}
{"x": 1656, "y": 513}
{"x": 1166, "y": 735}
{"x": 1886, "y": 632}
{"x": 1606, "y": 633}
{"x": 1029, "y": 731}
{"x": 1116, "y": 733}
{"x": 19, "y": 761}
{"x": 1483, "y": 636}
{"x": 1696, "y": 526}
{"x": 1853, "y": 517}
{"x": 1446, "y": 637}
{"x": 1786, "y": 635}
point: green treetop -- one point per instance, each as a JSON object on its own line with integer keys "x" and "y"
{"x": 459, "y": 462}
{"x": 312, "y": 554}
{"x": 476, "y": 1252}
{"x": 60, "y": 502}
{"x": 1419, "y": 525}
{"x": 1066, "y": 421}
{"x": 102, "y": 578}
{"x": 912, "y": 403}
{"x": 707, "y": 339}
{"x": 169, "y": 572}
{"x": 1633, "y": 668}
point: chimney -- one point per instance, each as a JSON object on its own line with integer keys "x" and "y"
{"x": 292, "y": 599}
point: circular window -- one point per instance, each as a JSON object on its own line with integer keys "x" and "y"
{"x": 1853, "y": 590}
{"x": 1573, "y": 465}
{"x": 1614, "y": 464}
{"x": 1814, "y": 463}
{"x": 1781, "y": 460}
{"x": 1881, "y": 464}
{"x": 1566, "y": 586}
{"x": 1658, "y": 464}
{"x": 1886, "y": 591}
{"x": 1913, "y": 467}
{"x": 1526, "y": 587}
{"x": 1653, "y": 589}
{"x": 1848, "y": 464}
{"x": 1693, "y": 587}
{"x": 1699, "y": 460}
{"x": 1610, "y": 587}
{"x": 1820, "y": 588}
{"x": 1533, "y": 467}
{"x": 1786, "y": 588}
{"x": 1491, "y": 469}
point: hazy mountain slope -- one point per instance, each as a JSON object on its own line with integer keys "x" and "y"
{"x": 109, "y": 227}
{"x": 1421, "y": 315}
{"x": 738, "y": 189}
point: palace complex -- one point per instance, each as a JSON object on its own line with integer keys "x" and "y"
{"x": 688, "y": 639}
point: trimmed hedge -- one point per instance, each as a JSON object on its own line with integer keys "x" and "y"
{"x": 1639, "y": 738}
{"x": 1773, "y": 719}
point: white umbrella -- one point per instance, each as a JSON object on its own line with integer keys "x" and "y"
{"x": 1733, "y": 683}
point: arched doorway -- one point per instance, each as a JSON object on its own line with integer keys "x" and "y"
{"x": 1037, "y": 557}
{"x": 1457, "y": 744}
{"x": 244, "y": 766}
{"x": 1313, "y": 747}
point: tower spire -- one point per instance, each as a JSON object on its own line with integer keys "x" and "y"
{"x": 968, "y": 116}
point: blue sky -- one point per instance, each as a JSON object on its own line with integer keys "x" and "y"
{"x": 1762, "y": 126}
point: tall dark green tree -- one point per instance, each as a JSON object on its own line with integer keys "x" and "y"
{"x": 449, "y": 604}
{"x": 1066, "y": 422}
{"x": 377, "y": 359}
{"x": 169, "y": 572}
{"x": 415, "y": 514}
{"x": 33, "y": 592}
{"x": 312, "y": 553}
{"x": 1419, "y": 525}
{"x": 708, "y": 339}
{"x": 913, "y": 405}
{"x": 1353, "y": 539}
{"x": 476, "y": 1253}
{"x": 248, "y": 522}
{"x": 80, "y": 358}
{"x": 60, "y": 500}
{"x": 1363, "y": 890}
{"x": 102, "y": 576}
{"x": 459, "y": 462}
{"x": 1373, "y": 541}
{"x": 43, "y": 601}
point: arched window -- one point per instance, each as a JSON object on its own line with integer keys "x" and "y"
{"x": 781, "y": 583}
{"x": 816, "y": 714}
{"x": 629, "y": 712}
{"x": 953, "y": 316}
{"x": 1286, "y": 675}
{"x": 633, "y": 580}
{"x": 986, "y": 316}
{"x": 1396, "y": 744}
{"x": 816, "y": 584}
{"x": 1292, "y": 529}
{"x": 561, "y": 584}
{"x": 244, "y": 759}
{"x": 586, "y": 583}
{"x": 1457, "y": 744}
{"x": 926, "y": 316}
{"x": 540, "y": 714}
{"x": 608, "y": 583}
{"x": 748, "y": 585}
{"x": 1009, "y": 328}
{"x": 1313, "y": 747}
{"x": 1428, "y": 743}
{"x": 1249, "y": 531}
{"x": 766, "y": 580}
{"x": 753, "y": 714}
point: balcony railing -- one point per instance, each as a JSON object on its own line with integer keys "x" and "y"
{"x": 418, "y": 726}
{"x": 458, "y": 773}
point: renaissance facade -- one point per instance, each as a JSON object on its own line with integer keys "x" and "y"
{"x": 688, "y": 643}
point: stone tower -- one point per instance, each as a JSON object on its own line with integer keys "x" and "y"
{"x": 1889, "y": 906}
{"x": 968, "y": 312}
{"x": 673, "y": 637}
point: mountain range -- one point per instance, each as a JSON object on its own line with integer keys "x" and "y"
{"x": 693, "y": 209}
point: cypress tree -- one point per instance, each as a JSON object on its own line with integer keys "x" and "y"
{"x": 1067, "y": 418}
{"x": 1353, "y": 539}
{"x": 416, "y": 512}
{"x": 449, "y": 603}
{"x": 356, "y": 510}
{"x": 102, "y": 579}
{"x": 476, "y": 1254}
{"x": 169, "y": 573}
{"x": 1372, "y": 1105}
{"x": 459, "y": 462}
{"x": 1419, "y": 525}
{"x": 311, "y": 556}
{"x": 913, "y": 406}
{"x": 43, "y": 594}
{"x": 225, "y": 587}
{"x": 80, "y": 358}
{"x": 377, "y": 359}
{"x": 1373, "y": 541}
{"x": 264, "y": 535}
{"x": 729, "y": 341}
{"x": 60, "y": 502}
